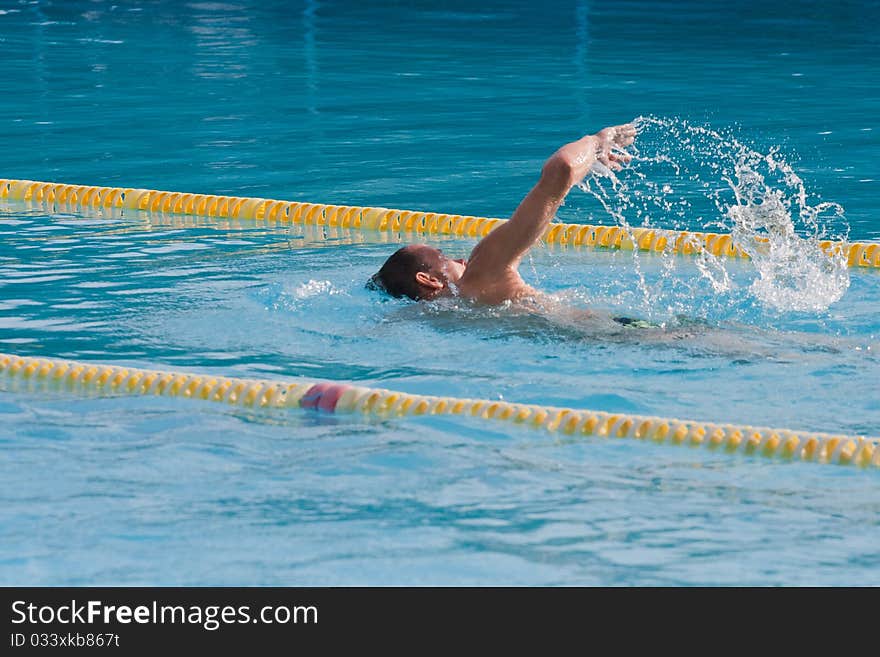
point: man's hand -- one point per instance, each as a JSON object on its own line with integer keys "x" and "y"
{"x": 612, "y": 142}
{"x": 571, "y": 163}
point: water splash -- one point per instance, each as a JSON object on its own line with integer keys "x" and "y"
{"x": 313, "y": 288}
{"x": 686, "y": 176}
{"x": 291, "y": 296}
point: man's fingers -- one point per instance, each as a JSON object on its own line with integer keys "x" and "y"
{"x": 609, "y": 160}
{"x": 617, "y": 161}
{"x": 624, "y": 135}
{"x": 619, "y": 136}
{"x": 621, "y": 155}
{"x": 609, "y": 144}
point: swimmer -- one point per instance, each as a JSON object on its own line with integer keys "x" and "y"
{"x": 490, "y": 275}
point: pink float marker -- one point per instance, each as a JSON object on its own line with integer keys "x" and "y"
{"x": 323, "y": 396}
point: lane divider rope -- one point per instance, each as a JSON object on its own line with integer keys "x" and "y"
{"x": 63, "y": 196}
{"x": 334, "y": 397}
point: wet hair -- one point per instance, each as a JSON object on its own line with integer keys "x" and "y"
{"x": 397, "y": 276}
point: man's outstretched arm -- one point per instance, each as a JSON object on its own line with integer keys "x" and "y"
{"x": 505, "y": 246}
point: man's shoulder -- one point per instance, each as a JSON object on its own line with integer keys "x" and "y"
{"x": 506, "y": 286}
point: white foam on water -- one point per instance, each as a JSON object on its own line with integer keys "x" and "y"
{"x": 297, "y": 296}
{"x": 314, "y": 288}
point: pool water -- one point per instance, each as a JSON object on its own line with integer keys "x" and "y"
{"x": 450, "y": 110}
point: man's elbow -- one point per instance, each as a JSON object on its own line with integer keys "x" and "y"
{"x": 558, "y": 173}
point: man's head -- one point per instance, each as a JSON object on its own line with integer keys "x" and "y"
{"x": 419, "y": 272}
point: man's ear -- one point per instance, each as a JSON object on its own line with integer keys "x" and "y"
{"x": 424, "y": 278}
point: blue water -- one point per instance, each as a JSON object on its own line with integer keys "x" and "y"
{"x": 450, "y": 109}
